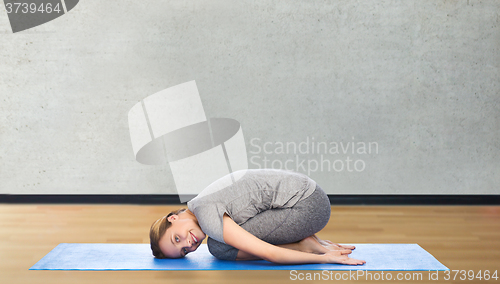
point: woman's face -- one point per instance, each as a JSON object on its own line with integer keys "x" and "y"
{"x": 183, "y": 237}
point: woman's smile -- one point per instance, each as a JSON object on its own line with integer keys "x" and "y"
{"x": 194, "y": 238}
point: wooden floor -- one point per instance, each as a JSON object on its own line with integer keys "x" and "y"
{"x": 461, "y": 237}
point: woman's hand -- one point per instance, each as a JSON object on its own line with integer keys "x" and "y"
{"x": 341, "y": 257}
{"x": 237, "y": 237}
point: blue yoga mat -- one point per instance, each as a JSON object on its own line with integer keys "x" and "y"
{"x": 384, "y": 257}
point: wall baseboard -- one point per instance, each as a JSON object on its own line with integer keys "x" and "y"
{"x": 171, "y": 199}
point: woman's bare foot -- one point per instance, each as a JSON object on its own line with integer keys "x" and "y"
{"x": 311, "y": 244}
{"x": 332, "y": 246}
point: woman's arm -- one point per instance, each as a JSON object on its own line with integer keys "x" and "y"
{"x": 239, "y": 238}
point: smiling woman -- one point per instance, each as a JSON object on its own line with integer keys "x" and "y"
{"x": 183, "y": 235}
{"x": 265, "y": 214}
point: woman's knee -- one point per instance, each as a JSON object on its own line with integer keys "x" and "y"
{"x": 221, "y": 250}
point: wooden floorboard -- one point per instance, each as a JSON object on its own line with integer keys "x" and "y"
{"x": 461, "y": 237}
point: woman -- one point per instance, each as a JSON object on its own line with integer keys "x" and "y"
{"x": 253, "y": 214}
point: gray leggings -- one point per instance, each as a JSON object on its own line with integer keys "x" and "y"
{"x": 282, "y": 225}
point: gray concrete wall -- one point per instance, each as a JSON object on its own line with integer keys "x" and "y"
{"x": 417, "y": 79}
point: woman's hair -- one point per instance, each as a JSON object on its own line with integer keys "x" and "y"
{"x": 158, "y": 230}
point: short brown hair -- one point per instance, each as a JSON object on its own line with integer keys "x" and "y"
{"x": 157, "y": 231}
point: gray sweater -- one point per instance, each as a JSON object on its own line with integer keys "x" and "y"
{"x": 254, "y": 191}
